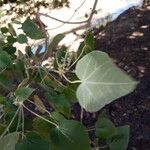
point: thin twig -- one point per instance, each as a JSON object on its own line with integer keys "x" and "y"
{"x": 40, "y": 116}
{"x": 22, "y": 112}
{"x": 66, "y": 22}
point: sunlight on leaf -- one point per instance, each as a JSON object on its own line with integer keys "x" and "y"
{"x": 101, "y": 81}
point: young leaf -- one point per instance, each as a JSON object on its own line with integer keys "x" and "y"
{"x": 32, "y": 30}
{"x": 101, "y": 81}
{"x": 21, "y": 38}
{"x": 104, "y": 128}
{"x": 120, "y": 140}
{"x": 54, "y": 44}
{"x": 89, "y": 40}
{"x": 23, "y": 93}
{"x": 70, "y": 135}
{"x": 9, "y": 141}
{"x": 5, "y": 60}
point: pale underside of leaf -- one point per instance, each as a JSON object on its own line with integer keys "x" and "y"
{"x": 9, "y": 141}
{"x": 101, "y": 81}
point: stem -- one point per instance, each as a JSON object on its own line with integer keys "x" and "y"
{"x": 40, "y": 116}
{"x": 7, "y": 129}
{"x": 19, "y": 120}
{"x": 76, "y": 59}
{"x": 3, "y": 70}
{"x": 22, "y": 122}
{"x": 72, "y": 82}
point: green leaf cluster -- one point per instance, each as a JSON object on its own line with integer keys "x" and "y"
{"x": 37, "y": 98}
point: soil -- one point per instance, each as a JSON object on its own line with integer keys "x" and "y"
{"x": 126, "y": 40}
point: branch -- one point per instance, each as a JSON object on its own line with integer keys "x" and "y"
{"x": 93, "y": 11}
{"x": 68, "y": 21}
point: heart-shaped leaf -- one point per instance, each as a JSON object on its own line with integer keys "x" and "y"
{"x": 32, "y": 30}
{"x": 22, "y": 39}
{"x": 120, "y": 140}
{"x": 104, "y": 128}
{"x": 101, "y": 81}
{"x": 70, "y": 135}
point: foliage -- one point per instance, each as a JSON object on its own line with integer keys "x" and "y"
{"x": 16, "y": 9}
{"x": 37, "y": 98}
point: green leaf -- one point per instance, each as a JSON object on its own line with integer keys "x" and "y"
{"x": 23, "y": 93}
{"x": 2, "y": 128}
{"x": 42, "y": 127}
{"x": 19, "y": 69}
{"x": 21, "y": 38}
{"x": 2, "y": 100}
{"x": 70, "y": 93}
{"x": 101, "y": 81}
{"x": 89, "y": 41}
{"x": 5, "y": 60}
{"x": 9, "y": 49}
{"x": 58, "y": 102}
{"x": 28, "y": 51}
{"x": 104, "y": 128}
{"x": 11, "y": 40}
{"x": 120, "y": 140}
{"x": 54, "y": 44}
{"x": 33, "y": 142}
{"x": 32, "y": 30}
{"x": 56, "y": 116}
{"x": 5, "y": 82}
{"x": 9, "y": 141}
{"x": 70, "y": 135}
{"x": 4, "y": 30}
